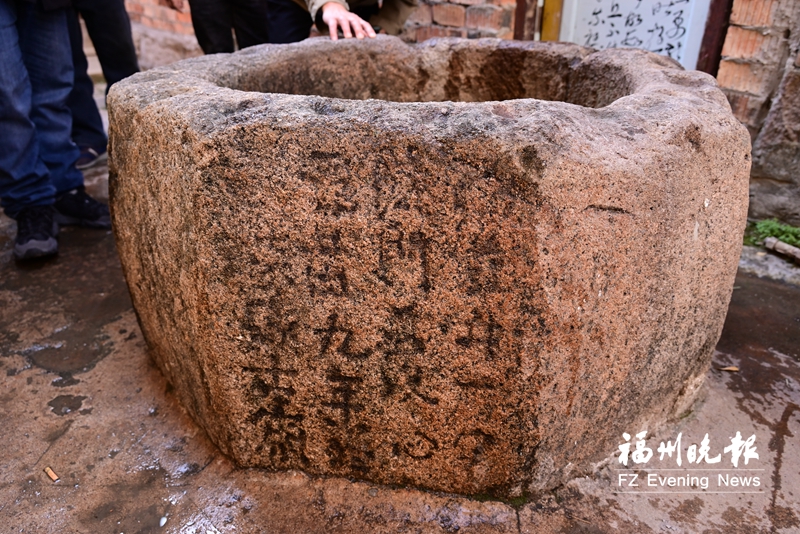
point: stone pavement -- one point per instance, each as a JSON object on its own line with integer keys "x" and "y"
{"x": 79, "y": 394}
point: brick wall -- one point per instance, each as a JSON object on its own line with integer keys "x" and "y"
{"x": 161, "y": 34}
{"x": 461, "y": 18}
{"x": 457, "y": 18}
{"x": 155, "y": 14}
{"x": 756, "y": 48}
{"x": 760, "y": 74}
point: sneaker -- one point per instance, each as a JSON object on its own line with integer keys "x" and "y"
{"x": 79, "y": 209}
{"x": 36, "y": 233}
{"x": 90, "y": 157}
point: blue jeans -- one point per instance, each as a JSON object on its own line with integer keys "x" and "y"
{"x": 37, "y": 156}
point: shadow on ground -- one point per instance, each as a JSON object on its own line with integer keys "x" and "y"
{"x": 79, "y": 394}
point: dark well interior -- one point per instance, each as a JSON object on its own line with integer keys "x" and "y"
{"x": 401, "y": 73}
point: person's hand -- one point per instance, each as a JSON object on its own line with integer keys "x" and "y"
{"x": 177, "y": 5}
{"x": 336, "y": 16}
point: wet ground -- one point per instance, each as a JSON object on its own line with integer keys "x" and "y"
{"x": 78, "y": 394}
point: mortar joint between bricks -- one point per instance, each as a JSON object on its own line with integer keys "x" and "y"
{"x": 764, "y": 30}
{"x": 746, "y": 61}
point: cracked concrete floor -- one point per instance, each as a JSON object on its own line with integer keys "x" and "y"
{"x": 79, "y": 394}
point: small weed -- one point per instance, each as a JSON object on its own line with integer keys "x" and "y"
{"x": 757, "y": 232}
{"x": 518, "y": 502}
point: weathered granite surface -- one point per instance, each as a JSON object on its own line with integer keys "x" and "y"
{"x": 775, "y": 187}
{"x": 775, "y": 177}
{"x": 466, "y": 265}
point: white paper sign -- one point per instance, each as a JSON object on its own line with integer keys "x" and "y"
{"x": 673, "y": 28}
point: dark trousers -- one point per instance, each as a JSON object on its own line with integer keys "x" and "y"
{"x": 110, "y": 30}
{"x": 214, "y": 19}
{"x": 290, "y": 23}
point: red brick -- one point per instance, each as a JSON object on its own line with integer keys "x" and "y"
{"x": 426, "y": 32}
{"x": 449, "y": 15}
{"x": 743, "y": 77}
{"x": 409, "y": 34}
{"x": 748, "y": 109}
{"x": 502, "y": 3}
{"x": 488, "y": 17}
{"x": 150, "y": 11}
{"x": 134, "y": 7}
{"x": 468, "y": 2}
{"x": 742, "y": 43}
{"x": 157, "y": 14}
{"x": 160, "y": 24}
{"x": 421, "y": 16}
{"x": 506, "y": 33}
{"x": 753, "y": 12}
{"x": 740, "y": 105}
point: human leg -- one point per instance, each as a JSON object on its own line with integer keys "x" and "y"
{"x": 24, "y": 176}
{"x": 109, "y": 27}
{"x": 249, "y": 19}
{"x": 44, "y": 41}
{"x": 36, "y": 154}
{"x": 48, "y": 58}
{"x": 287, "y": 22}
{"x": 212, "y": 22}
{"x": 26, "y": 190}
{"x": 87, "y": 125}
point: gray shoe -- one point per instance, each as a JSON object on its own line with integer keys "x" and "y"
{"x": 36, "y": 233}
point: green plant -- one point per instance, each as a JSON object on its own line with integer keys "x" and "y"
{"x": 756, "y": 233}
{"x": 514, "y": 502}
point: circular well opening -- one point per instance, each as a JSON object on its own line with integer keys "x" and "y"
{"x": 437, "y": 71}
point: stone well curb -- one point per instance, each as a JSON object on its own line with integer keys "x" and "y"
{"x": 466, "y": 266}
